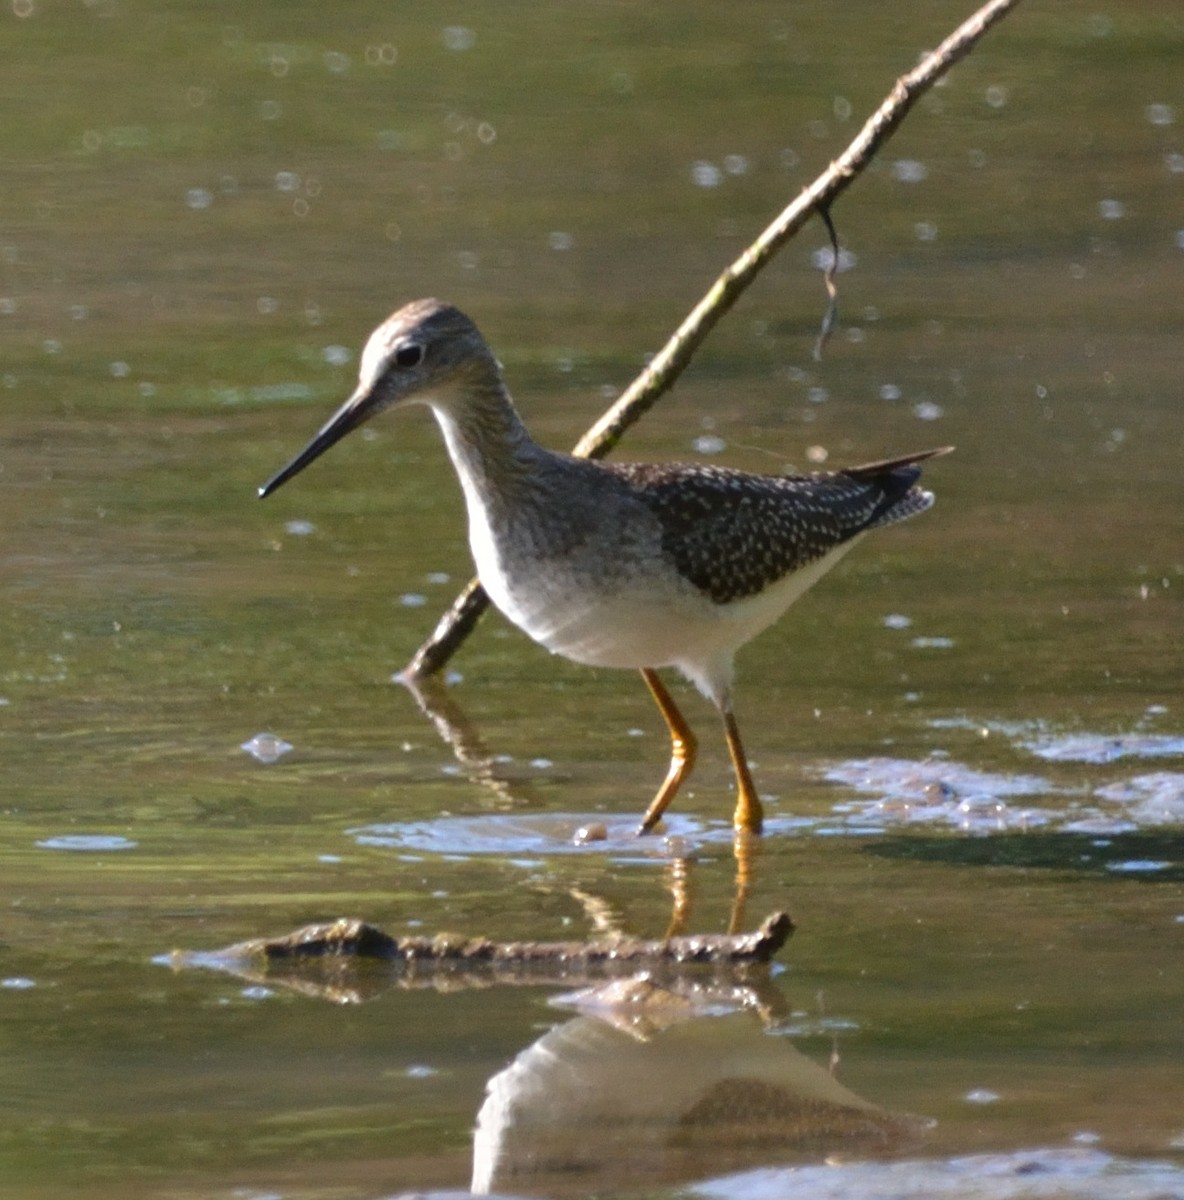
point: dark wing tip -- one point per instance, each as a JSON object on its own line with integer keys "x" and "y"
{"x": 888, "y": 465}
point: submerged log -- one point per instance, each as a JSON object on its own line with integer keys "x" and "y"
{"x": 349, "y": 961}
{"x": 353, "y": 938}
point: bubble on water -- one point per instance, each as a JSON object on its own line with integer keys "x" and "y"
{"x": 560, "y": 241}
{"x": 51, "y": 346}
{"x": 736, "y": 164}
{"x": 7, "y": 306}
{"x": 1099, "y": 25}
{"x": 256, "y": 992}
{"x": 926, "y": 410}
{"x": 79, "y": 312}
{"x": 817, "y": 454}
{"x": 287, "y": 181}
{"x": 380, "y": 54}
{"x": 1180, "y": 239}
{"x": 267, "y": 305}
{"x": 421, "y": 1071}
{"x": 336, "y": 62}
{"x": 709, "y": 443}
{"x": 841, "y": 107}
{"x": 18, "y": 983}
{"x": 1174, "y": 162}
{"x": 87, "y": 842}
{"x": 486, "y": 133}
{"x": 458, "y": 37}
{"x": 1100, "y": 748}
{"x": 270, "y": 110}
{"x": 889, "y": 391}
{"x": 822, "y": 258}
{"x": 1111, "y": 210}
{"x": 413, "y": 600}
{"x": 266, "y": 747}
{"x": 996, "y": 95}
{"x": 119, "y": 370}
{"x": 467, "y": 260}
{"x": 909, "y": 170}
{"x": 935, "y": 792}
{"x": 932, "y": 643}
{"x": 1160, "y": 114}
{"x": 1086, "y": 1137}
{"x": 1137, "y": 866}
{"x": 1156, "y": 798}
{"x": 705, "y": 174}
{"x": 300, "y": 528}
{"x": 897, "y": 621}
{"x": 337, "y": 355}
{"x": 438, "y": 577}
{"x": 981, "y": 1096}
{"x": 925, "y": 231}
{"x": 817, "y": 395}
{"x": 199, "y": 198}
{"x": 1068, "y": 1173}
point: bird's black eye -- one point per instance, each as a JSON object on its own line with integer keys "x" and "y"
{"x": 409, "y": 355}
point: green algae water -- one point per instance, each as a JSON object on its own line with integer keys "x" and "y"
{"x": 969, "y": 737}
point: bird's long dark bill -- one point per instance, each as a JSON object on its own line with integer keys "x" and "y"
{"x": 349, "y": 416}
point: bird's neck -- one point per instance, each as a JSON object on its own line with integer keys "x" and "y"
{"x": 493, "y": 453}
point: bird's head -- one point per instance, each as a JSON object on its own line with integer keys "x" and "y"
{"x": 425, "y": 352}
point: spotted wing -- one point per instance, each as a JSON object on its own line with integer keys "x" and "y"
{"x": 732, "y": 534}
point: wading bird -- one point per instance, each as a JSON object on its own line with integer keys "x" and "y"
{"x": 620, "y": 564}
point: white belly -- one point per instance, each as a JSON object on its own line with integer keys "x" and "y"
{"x": 646, "y": 617}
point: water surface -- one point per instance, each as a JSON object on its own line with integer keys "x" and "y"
{"x": 969, "y": 735}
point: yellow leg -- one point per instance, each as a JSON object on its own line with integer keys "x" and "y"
{"x": 749, "y": 815}
{"x": 682, "y": 750}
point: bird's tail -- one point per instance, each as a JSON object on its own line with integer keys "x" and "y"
{"x": 896, "y": 478}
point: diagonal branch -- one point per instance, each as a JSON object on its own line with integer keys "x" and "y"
{"x": 666, "y": 366}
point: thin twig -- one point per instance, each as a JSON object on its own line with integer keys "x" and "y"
{"x": 669, "y": 362}
{"x": 831, "y": 317}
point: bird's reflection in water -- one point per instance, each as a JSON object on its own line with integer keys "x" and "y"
{"x": 438, "y": 703}
{"x": 655, "y": 1084}
{"x": 663, "y": 1077}
{"x": 678, "y": 1072}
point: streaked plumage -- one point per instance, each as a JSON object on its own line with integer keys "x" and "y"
{"x": 620, "y": 564}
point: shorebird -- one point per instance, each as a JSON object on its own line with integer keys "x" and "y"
{"x": 639, "y": 565}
